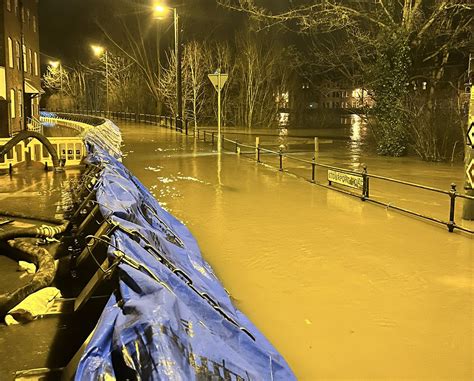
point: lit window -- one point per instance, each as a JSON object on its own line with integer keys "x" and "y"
{"x": 16, "y": 7}
{"x": 30, "y": 61}
{"x": 36, "y": 63}
{"x": 9, "y": 5}
{"x": 17, "y": 55}
{"x": 34, "y": 24}
{"x": 20, "y": 104}
{"x": 10, "y": 52}
{"x": 12, "y": 104}
{"x": 25, "y": 62}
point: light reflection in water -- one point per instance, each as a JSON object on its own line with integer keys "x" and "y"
{"x": 321, "y": 273}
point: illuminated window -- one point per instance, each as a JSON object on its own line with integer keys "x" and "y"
{"x": 20, "y": 103}
{"x": 12, "y": 104}
{"x": 30, "y": 62}
{"x": 36, "y": 63}
{"x": 9, "y": 5}
{"x": 10, "y": 52}
{"x": 25, "y": 62}
{"x": 16, "y": 7}
{"x": 34, "y": 24}
{"x": 17, "y": 55}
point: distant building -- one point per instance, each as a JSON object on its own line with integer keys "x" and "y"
{"x": 20, "y": 81}
{"x": 335, "y": 95}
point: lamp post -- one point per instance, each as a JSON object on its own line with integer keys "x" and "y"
{"x": 100, "y": 51}
{"x": 160, "y": 12}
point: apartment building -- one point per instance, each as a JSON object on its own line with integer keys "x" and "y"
{"x": 20, "y": 79}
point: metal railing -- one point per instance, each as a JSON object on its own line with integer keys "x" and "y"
{"x": 154, "y": 119}
{"x": 258, "y": 151}
{"x": 34, "y": 125}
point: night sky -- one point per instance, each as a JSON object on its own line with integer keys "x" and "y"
{"x": 68, "y": 27}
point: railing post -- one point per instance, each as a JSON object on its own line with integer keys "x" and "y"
{"x": 186, "y": 126}
{"x": 257, "y": 149}
{"x": 236, "y": 146}
{"x": 280, "y": 153}
{"x": 212, "y": 139}
{"x": 316, "y": 147}
{"x": 204, "y": 136}
{"x": 452, "y": 208}
{"x": 313, "y": 170}
{"x": 365, "y": 184}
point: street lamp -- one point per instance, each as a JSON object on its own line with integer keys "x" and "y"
{"x": 100, "y": 51}
{"x": 160, "y": 11}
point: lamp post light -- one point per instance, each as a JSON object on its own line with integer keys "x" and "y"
{"x": 57, "y": 66}
{"x": 160, "y": 11}
{"x": 100, "y": 51}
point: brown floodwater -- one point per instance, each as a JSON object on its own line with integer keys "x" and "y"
{"x": 343, "y": 289}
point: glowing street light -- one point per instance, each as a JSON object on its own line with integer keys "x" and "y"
{"x": 160, "y": 11}
{"x": 55, "y": 64}
{"x": 100, "y": 51}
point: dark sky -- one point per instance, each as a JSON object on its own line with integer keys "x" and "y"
{"x": 68, "y": 27}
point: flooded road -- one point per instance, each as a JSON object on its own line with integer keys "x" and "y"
{"x": 343, "y": 289}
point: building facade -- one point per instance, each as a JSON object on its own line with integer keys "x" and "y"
{"x": 20, "y": 79}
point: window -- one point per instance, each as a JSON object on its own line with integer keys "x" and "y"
{"x": 30, "y": 62}
{"x": 9, "y": 5}
{"x": 17, "y": 55}
{"x": 12, "y": 104}
{"x": 10, "y": 52}
{"x": 20, "y": 104}
{"x": 28, "y": 17}
{"x": 36, "y": 63}
{"x": 25, "y": 62}
{"x": 34, "y": 24}
{"x": 16, "y": 7}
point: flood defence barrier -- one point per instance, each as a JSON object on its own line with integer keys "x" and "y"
{"x": 168, "y": 314}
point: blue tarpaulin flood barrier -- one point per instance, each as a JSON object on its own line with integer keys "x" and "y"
{"x": 170, "y": 318}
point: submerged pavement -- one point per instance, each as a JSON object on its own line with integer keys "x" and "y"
{"x": 343, "y": 289}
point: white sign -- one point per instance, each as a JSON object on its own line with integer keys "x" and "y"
{"x": 218, "y": 80}
{"x": 470, "y": 135}
{"x": 346, "y": 179}
{"x": 470, "y": 173}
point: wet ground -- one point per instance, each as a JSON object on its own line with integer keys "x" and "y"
{"x": 49, "y": 342}
{"x": 344, "y": 289}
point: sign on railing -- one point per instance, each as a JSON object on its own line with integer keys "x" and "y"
{"x": 346, "y": 179}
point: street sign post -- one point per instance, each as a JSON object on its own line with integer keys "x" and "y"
{"x": 470, "y": 135}
{"x": 218, "y": 80}
{"x": 468, "y": 205}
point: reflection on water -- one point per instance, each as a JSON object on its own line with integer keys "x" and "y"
{"x": 343, "y": 289}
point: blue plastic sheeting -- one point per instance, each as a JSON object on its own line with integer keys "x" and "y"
{"x": 171, "y": 318}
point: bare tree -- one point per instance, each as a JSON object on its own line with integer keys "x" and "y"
{"x": 383, "y": 45}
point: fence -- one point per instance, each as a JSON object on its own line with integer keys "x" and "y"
{"x": 335, "y": 176}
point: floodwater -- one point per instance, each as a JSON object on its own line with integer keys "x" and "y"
{"x": 344, "y": 289}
